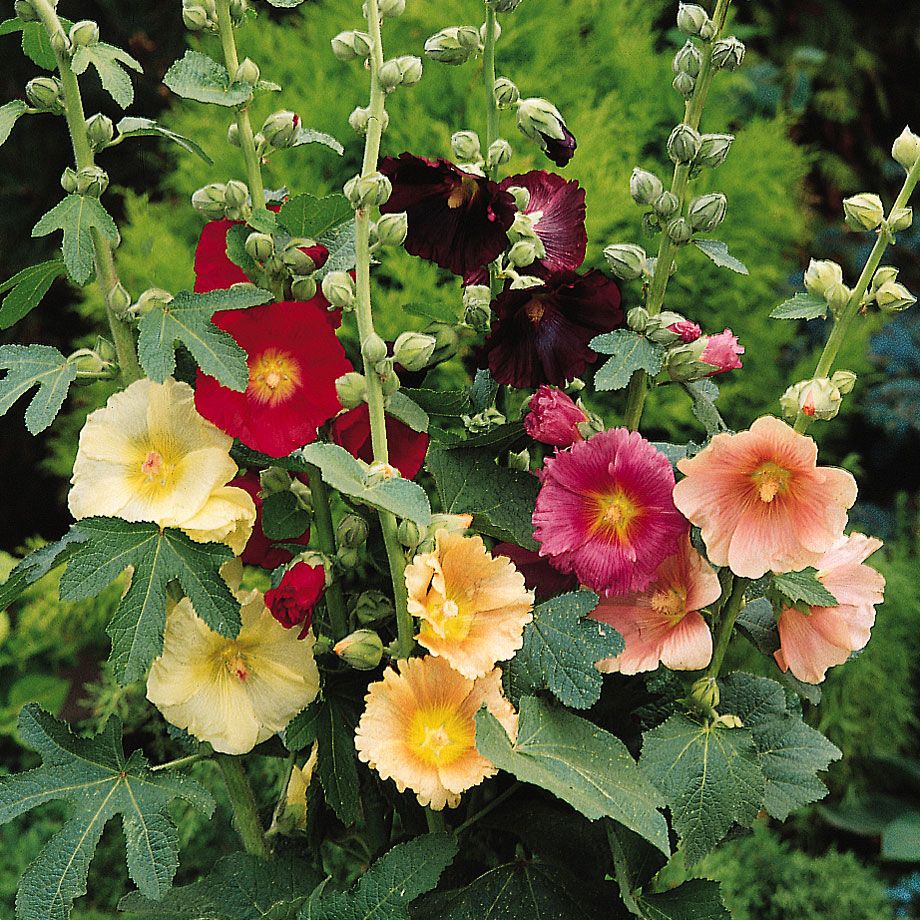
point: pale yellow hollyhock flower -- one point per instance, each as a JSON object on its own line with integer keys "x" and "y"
{"x": 232, "y": 693}
{"x": 149, "y": 456}
{"x": 418, "y": 728}
{"x": 473, "y": 606}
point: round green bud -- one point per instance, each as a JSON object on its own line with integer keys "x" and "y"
{"x": 351, "y": 531}
{"x": 339, "y": 290}
{"x": 413, "y": 350}
{"x": 392, "y": 229}
{"x": 650, "y": 224}
{"x": 453, "y": 45}
{"x": 707, "y": 212}
{"x": 864, "y": 211}
{"x": 689, "y": 60}
{"x": 233, "y": 135}
{"x": 368, "y": 191}
{"x": 645, "y": 187}
{"x": 238, "y": 10}
{"x": 359, "y": 119}
{"x": 390, "y": 9}
{"x": 362, "y": 650}
{"x": 821, "y": 275}
{"x": 374, "y": 349}
{"x": 118, "y": 299}
{"x": 705, "y": 693}
{"x": 900, "y": 219}
{"x": 281, "y": 129}
{"x": 410, "y": 69}
{"x": 844, "y": 381}
{"x": 637, "y": 319}
{"x": 477, "y": 296}
{"x": 351, "y": 45}
{"x": 409, "y": 534}
{"x": 523, "y": 253}
{"x": 151, "y": 299}
{"x": 537, "y": 117}
{"x": 389, "y": 382}
{"x": 680, "y": 231}
{"x": 274, "y": 480}
{"x": 885, "y": 274}
{"x": 684, "y": 84}
{"x": 260, "y": 246}
{"x": 69, "y": 180}
{"x": 84, "y": 33}
{"x": 894, "y": 297}
{"x": 92, "y": 181}
{"x": 303, "y": 287}
{"x": 714, "y": 149}
{"x": 837, "y": 297}
{"x": 684, "y": 144}
{"x": 296, "y": 260}
{"x": 351, "y": 389}
{"x": 666, "y": 205}
{"x": 210, "y": 200}
{"x": 520, "y": 195}
{"x": 447, "y": 342}
{"x": 236, "y": 194}
{"x": 499, "y": 153}
{"x": 627, "y": 261}
{"x": 692, "y": 18}
{"x": 46, "y": 94}
{"x": 101, "y": 131}
{"x": 248, "y": 72}
{"x": 506, "y": 93}
{"x": 906, "y": 149}
{"x": 465, "y": 145}
{"x": 390, "y": 75}
{"x": 728, "y": 53}
{"x": 817, "y": 398}
{"x": 375, "y": 605}
{"x": 195, "y": 17}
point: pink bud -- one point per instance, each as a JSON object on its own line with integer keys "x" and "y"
{"x": 554, "y": 418}
{"x": 689, "y": 332}
{"x": 722, "y": 352}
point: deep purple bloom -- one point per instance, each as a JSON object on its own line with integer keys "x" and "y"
{"x": 560, "y": 150}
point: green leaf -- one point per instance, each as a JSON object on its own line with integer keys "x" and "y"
{"x": 312, "y": 136}
{"x": 801, "y": 306}
{"x": 386, "y": 889}
{"x": 448, "y": 403}
{"x": 110, "y": 63}
{"x": 105, "y": 547}
{"x": 35, "y": 566}
{"x": 335, "y": 722}
{"x": 26, "y": 290}
{"x": 704, "y": 394}
{"x": 710, "y": 775}
{"x": 11, "y": 26}
{"x": 29, "y": 366}
{"x": 717, "y": 252}
{"x": 560, "y": 649}
{"x": 901, "y": 838}
{"x": 804, "y": 588}
{"x": 147, "y": 127}
{"x": 484, "y": 389}
{"x": 9, "y": 115}
{"x": 311, "y": 217}
{"x": 237, "y": 235}
{"x": 198, "y": 77}
{"x": 631, "y": 352}
{"x": 283, "y": 517}
{"x": 187, "y": 319}
{"x": 37, "y": 46}
{"x": 238, "y": 887}
{"x": 78, "y": 216}
{"x": 95, "y": 777}
{"x": 580, "y": 763}
{"x": 409, "y": 412}
{"x": 347, "y": 475}
{"x": 433, "y": 310}
{"x": 696, "y": 899}
{"x": 501, "y": 500}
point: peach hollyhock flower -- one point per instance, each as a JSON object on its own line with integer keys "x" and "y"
{"x": 473, "y": 606}
{"x": 149, "y": 456}
{"x": 761, "y": 501}
{"x": 418, "y": 729}
{"x": 810, "y": 643}
{"x": 663, "y": 624}
{"x": 232, "y": 693}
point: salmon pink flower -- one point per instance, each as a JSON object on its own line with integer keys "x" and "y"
{"x": 407, "y": 448}
{"x": 554, "y": 418}
{"x": 663, "y": 624}
{"x": 812, "y": 642}
{"x": 722, "y": 352}
{"x": 260, "y": 550}
{"x": 605, "y": 512}
{"x": 761, "y": 501}
{"x": 292, "y": 602}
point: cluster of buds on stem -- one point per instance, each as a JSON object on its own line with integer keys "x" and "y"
{"x": 368, "y": 191}
{"x": 405, "y": 70}
{"x": 218, "y": 200}
{"x": 820, "y": 397}
{"x": 201, "y": 15}
{"x": 97, "y": 363}
{"x": 888, "y": 293}
{"x": 91, "y": 181}
{"x": 454, "y": 44}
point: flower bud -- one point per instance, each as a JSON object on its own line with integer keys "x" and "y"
{"x": 666, "y": 205}
{"x": 837, "y": 297}
{"x": 25, "y": 12}
{"x": 684, "y": 84}
{"x": 537, "y": 117}
{"x": 359, "y": 119}
{"x": 46, "y": 94}
{"x": 499, "y": 153}
{"x": 118, "y": 299}
{"x": 280, "y": 130}
{"x": 69, "y": 180}
{"x": 351, "y": 389}
{"x": 362, "y": 650}
{"x": 90, "y": 364}
{"x": 209, "y": 201}
{"x": 392, "y": 229}
{"x": 413, "y": 350}
{"x": 680, "y": 231}
{"x": 390, "y": 9}
{"x": 906, "y": 149}
{"x": 893, "y": 297}
{"x": 339, "y": 290}
{"x": 236, "y": 194}
{"x": 844, "y": 381}
{"x": 465, "y": 145}
{"x": 260, "y": 246}
{"x": 195, "y": 17}
{"x": 296, "y": 259}
{"x": 390, "y": 75}
{"x": 100, "y": 130}
{"x": 454, "y": 45}
{"x": 900, "y": 219}
{"x": 233, "y": 134}
{"x": 410, "y": 69}
{"x": 92, "y": 181}
{"x": 520, "y": 195}
{"x": 351, "y": 531}
{"x": 684, "y": 144}
{"x": 248, "y": 72}
{"x": 714, "y": 149}
{"x": 644, "y": 186}
{"x": 447, "y": 342}
{"x": 238, "y": 9}
{"x": 151, "y": 299}
{"x": 83, "y": 33}
{"x": 506, "y": 93}
{"x": 368, "y": 191}
{"x": 504, "y": 6}
{"x": 348, "y": 46}
{"x": 274, "y": 480}
{"x": 523, "y": 253}
{"x": 375, "y": 605}
{"x": 374, "y": 349}
{"x": 728, "y": 53}
{"x": 707, "y": 212}
{"x": 864, "y": 211}
{"x": 705, "y": 694}
{"x": 303, "y": 287}
{"x": 821, "y": 275}
{"x": 817, "y": 398}
{"x": 477, "y": 296}
{"x": 553, "y": 418}
{"x": 650, "y": 225}
{"x": 691, "y": 18}
{"x": 688, "y": 60}
{"x": 626, "y": 260}
{"x": 637, "y": 319}
{"x": 484, "y": 421}
{"x": 882, "y": 276}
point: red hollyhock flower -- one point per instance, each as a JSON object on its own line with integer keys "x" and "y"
{"x": 539, "y": 575}
{"x": 260, "y": 550}
{"x": 294, "y": 361}
{"x": 541, "y": 334}
{"x": 407, "y": 448}
{"x": 292, "y": 602}
{"x": 456, "y": 219}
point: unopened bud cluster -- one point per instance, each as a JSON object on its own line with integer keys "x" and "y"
{"x": 454, "y": 45}
{"x": 819, "y": 398}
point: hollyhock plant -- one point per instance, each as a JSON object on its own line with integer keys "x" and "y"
{"x": 663, "y": 624}
{"x": 761, "y": 501}
{"x": 259, "y": 549}
{"x": 605, "y": 512}
{"x": 298, "y": 592}
{"x": 418, "y": 729}
{"x": 541, "y": 334}
{"x": 294, "y": 361}
{"x": 554, "y": 418}
{"x": 539, "y": 576}
{"x": 407, "y": 448}
{"x": 812, "y": 642}
{"x": 722, "y": 351}
{"x": 457, "y": 219}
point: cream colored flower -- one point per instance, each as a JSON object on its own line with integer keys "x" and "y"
{"x": 149, "y": 456}
{"x": 473, "y": 606}
{"x": 418, "y": 729}
{"x": 232, "y": 693}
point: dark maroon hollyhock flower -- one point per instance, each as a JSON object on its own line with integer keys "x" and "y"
{"x": 260, "y": 550}
{"x": 456, "y": 219}
{"x": 292, "y": 602}
{"x": 407, "y": 448}
{"x": 538, "y": 574}
{"x": 560, "y": 151}
{"x": 541, "y": 334}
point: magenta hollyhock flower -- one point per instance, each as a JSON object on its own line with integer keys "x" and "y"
{"x": 688, "y": 332}
{"x": 541, "y": 334}
{"x": 299, "y": 591}
{"x": 605, "y": 512}
{"x": 539, "y": 576}
{"x": 456, "y": 219}
{"x": 554, "y": 418}
{"x": 722, "y": 352}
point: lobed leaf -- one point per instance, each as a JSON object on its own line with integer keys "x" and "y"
{"x": 41, "y": 366}
{"x": 147, "y": 127}
{"x": 110, "y": 63}
{"x": 801, "y": 306}
{"x": 717, "y": 252}
{"x": 26, "y": 290}
{"x": 630, "y": 352}
{"x": 9, "y": 115}
{"x": 804, "y": 588}
{"x": 200, "y": 78}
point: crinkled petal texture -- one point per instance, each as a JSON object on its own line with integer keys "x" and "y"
{"x": 456, "y": 219}
{"x": 761, "y": 501}
{"x": 663, "y": 625}
{"x": 554, "y": 418}
{"x": 473, "y": 606}
{"x": 813, "y": 642}
{"x": 605, "y": 512}
{"x": 418, "y": 729}
{"x": 541, "y": 334}
{"x": 232, "y": 693}
{"x": 294, "y": 360}
{"x": 407, "y": 448}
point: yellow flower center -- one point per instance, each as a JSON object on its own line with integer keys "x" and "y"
{"x": 770, "y": 479}
{"x": 463, "y": 193}
{"x": 535, "y": 310}
{"x": 670, "y": 602}
{"x": 274, "y": 376}
{"x": 154, "y": 465}
{"x": 447, "y": 619}
{"x": 615, "y": 515}
{"x": 439, "y": 735}
{"x": 234, "y": 662}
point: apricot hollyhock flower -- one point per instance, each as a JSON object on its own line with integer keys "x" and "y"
{"x": 812, "y": 642}
{"x": 418, "y": 729}
{"x": 147, "y": 455}
{"x": 761, "y": 501}
{"x": 232, "y": 693}
{"x": 473, "y": 606}
{"x": 605, "y": 512}
{"x": 663, "y": 624}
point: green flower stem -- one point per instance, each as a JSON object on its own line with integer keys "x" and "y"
{"x": 247, "y": 137}
{"x": 726, "y": 625}
{"x": 180, "y": 762}
{"x": 693, "y": 114}
{"x": 106, "y": 274}
{"x": 850, "y": 311}
{"x": 488, "y": 80}
{"x": 436, "y": 822}
{"x": 245, "y": 814}
{"x": 486, "y": 809}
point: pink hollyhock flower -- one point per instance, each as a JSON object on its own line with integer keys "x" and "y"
{"x": 407, "y": 448}
{"x": 292, "y": 602}
{"x": 810, "y": 643}
{"x": 761, "y": 501}
{"x": 688, "y": 332}
{"x": 722, "y": 352}
{"x": 539, "y": 576}
{"x": 605, "y": 512}
{"x": 554, "y": 418}
{"x": 259, "y": 549}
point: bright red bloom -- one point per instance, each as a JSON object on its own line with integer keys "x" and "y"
{"x": 541, "y": 334}
{"x": 407, "y": 448}
{"x": 456, "y": 219}
{"x": 294, "y": 361}
{"x": 292, "y": 602}
{"x": 554, "y": 418}
{"x": 260, "y": 550}
{"x": 539, "y": 575}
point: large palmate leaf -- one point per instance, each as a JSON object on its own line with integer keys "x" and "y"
{"x": 198, "y": 77}
{"x": 110, "y": 63}
{"x": 630, "y": 352}
{"x": 41, "y": 366}
{"x": 96, "y": 778}
{"x": 26, "y": 290}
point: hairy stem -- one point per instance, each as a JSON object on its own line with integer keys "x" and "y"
{"x": 726, "y": 625}
{"x": 436, "y": 822}
{"x": 488, "y": 80}
{"x": 245, "y": 814}
{"x": 180, "y": 762}
{"x": 486, "y": 809}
